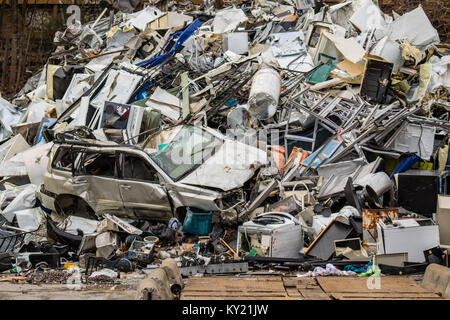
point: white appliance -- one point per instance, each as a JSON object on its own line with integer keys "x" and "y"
{"x": 236, "y": 42}
{"x": 413, "y": 236}
{"x": 271, "y": 234}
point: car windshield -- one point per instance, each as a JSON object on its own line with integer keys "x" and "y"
{"x": 189, "y": 149}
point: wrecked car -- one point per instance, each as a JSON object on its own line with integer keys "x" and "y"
{"x": 198, "y": 168}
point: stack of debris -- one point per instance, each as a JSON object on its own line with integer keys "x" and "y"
{"x": 275, "y": 135}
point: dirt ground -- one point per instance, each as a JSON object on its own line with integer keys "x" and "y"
{"x": 16, "y": 291}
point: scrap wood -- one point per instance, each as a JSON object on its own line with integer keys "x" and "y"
{"x": 13, "y": 278}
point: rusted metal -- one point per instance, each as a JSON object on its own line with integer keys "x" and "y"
{"x": 372, "y": 216}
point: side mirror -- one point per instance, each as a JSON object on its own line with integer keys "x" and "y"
{"x": 161, "y": 180}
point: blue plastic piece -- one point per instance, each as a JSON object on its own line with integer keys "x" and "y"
{"x": 358, "y": 268}
{"x": 179, "y": 37}
{"x": 46, "y": 210}
{"x": 161, "y": 146}
{"x": 142, "y": 93}
{"x": 321, "y": 74}
{"x": 406, "y": 164}
{"x": 231, "y": 102}
{"x": 46, "y": 122}
{"x": 327, "y": 152}
{"x": 197, "y": 221}
{"x": 447, "y": 166}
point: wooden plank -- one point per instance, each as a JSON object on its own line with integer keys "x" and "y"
{"x": 217, "y": 283}
{"x": 228, "y": 294}
{"x": 212, "y": 284}
{"x": 294, "y": 293}
{"x": 14, "y": 278}
{"x": 386, "y": 296}
{"x": 308, "y": 288}
{"x": 290, "y": 281}
{"x": 290, "y": 285}
{"x": 259, "y": 287}
{"x": 305, "y": 288}
{"x": 388, "y": 284}
{"x": 188, "y": 297}
{"x": 390, "y": 288}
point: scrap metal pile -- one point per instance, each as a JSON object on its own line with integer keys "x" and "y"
{"x": 280, "y": 135}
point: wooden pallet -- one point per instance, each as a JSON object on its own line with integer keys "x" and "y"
{"x": 390, "y": 288}
{"x": 235, "y": 288}
{"x": 304, "y": 288}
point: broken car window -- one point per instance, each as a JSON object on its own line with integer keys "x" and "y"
{"x": 190, "y": 148}
{"x": 136, "y": 168}
{"x": 99, "y": 164}
{"x": 63, "y": 159}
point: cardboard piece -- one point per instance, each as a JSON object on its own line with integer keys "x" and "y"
{"x": 351, "y": 72}
{"x": 351, "y": 68}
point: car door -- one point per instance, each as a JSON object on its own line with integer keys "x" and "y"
{"x": 59, "y": 174}
{"x": 140, "y": 188}
{"x": 95, "y": 180}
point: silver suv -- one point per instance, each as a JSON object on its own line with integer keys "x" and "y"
{"x": 89, "y": 179}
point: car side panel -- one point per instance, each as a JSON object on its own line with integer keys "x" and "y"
{"x": 101, "y": 193}
{"x": 147, "y": 200}
{"x": 190, "y": 196}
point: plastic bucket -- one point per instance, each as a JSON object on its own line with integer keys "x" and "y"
{"x": 197, "y": 221}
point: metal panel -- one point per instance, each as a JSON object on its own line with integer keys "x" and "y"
{"x": 215, "y": 268}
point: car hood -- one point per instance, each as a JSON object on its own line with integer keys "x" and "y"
{"x": 229, "y": 168}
